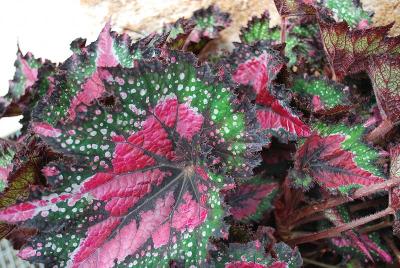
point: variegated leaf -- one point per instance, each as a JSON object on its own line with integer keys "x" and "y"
{"x": 143, "y": 188}
{"x": 336, "y": 158}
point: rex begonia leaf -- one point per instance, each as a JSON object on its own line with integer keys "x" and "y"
{"x": 26, "y": 74}
{"x": 82, "y": 83}
{"x": 143, "y": 188}
{"x": 253, "y": 255}
{"x": 295, "y": 7}
{"x": 336, "y": 158}
{"x": 351, "y": 242}
{"x": 195, "y": 33}
{"x": 324, "y": 95}
{"x": 348, "y": 10}
{"x": 384, "y": 72}
{"x": 257, "y": 65}
{"x": 252, "y": 199}
{"x": 348, "y": 51}
{"x": 258, "y": 29}
{"x": 209, "y": 22}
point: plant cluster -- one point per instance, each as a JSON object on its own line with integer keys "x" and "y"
{"x": 164, "y": 152}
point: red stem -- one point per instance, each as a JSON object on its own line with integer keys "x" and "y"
{"x": 362, "y": 192}
{"x": 335, "y": 231}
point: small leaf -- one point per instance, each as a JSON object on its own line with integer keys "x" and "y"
{"x": 348, "y": 10}
{"x": 173, "y": 140}
{"x": 324, "y": 95}
{"x": 336, "y": 159}
{"x": 298, "y": 43}
{"x": 295, "y": 7}
{"x": 26, "y": 74}
{"x": 384, "y": 72}
{"x": 258, "y": 29}
{"x": 253, "y": 255}
{"x": 349, "y": 50}
{"x": 209, "y": 22}
{"x": 195, "y": 33}
{"x": 252, "y": 199}
{"x": 257, "y": 65}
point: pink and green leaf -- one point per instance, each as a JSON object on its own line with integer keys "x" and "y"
{"x": 26, "y": 75}
{"x": 81, "y": 83}
{"x": 257, "y": 65}
{"x": 173, "y": 138}
{"x": 336, "y": 158}
{"x": 251, "y": 200}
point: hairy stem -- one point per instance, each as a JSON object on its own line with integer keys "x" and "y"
{"x": 362, "y": 192}
{"x": 335, "y": 231}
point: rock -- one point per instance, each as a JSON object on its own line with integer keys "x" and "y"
{"x": 385, "y": 12}
{"x": 140, "y": 17}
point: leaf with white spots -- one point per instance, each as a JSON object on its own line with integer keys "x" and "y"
{"x": 253, "y": 255}
{"x": 143, "y": 183}
{"x": 324, "y": 96}
{"x": 257, "y": 65}
{"x": 80, "y": 85}
{"x": 349, "y": 11}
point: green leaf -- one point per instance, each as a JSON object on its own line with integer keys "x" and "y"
{"x": 323, "y": 94}
{"x": 347, "y": 10}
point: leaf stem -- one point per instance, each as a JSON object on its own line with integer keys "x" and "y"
{"x": 283, "y": 29}
{"x": 335, "y": 231}
{"x": 329, "y": 203}
{"x": 375, "y": 227}
{"x": 393, "y": 247}
{"x": 380, "y": 131}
